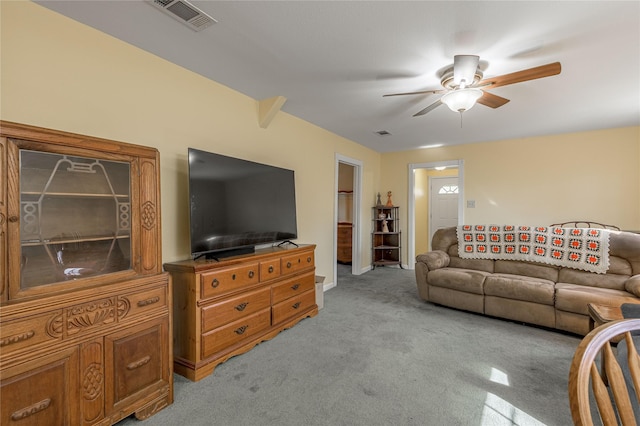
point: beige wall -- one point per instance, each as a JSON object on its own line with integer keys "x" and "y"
{"x": 540, "y": 180}
{"x": 60, "y": 74}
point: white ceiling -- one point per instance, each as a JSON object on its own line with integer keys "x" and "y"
{"x": 333, "y": 61}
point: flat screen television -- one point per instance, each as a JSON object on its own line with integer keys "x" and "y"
{"x": 237, "y": 204}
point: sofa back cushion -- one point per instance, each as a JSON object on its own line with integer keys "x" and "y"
{"x": 608, "y": 280}
{"x": 528, "y": 269}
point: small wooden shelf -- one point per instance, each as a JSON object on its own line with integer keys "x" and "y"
{"x": 385, "y": 237}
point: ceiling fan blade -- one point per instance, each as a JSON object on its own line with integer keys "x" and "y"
{"x": 422, "y": 92}
{"x": 464, "y": 68}
{"x": 433, "y": 106}
{"x": 520, "y": 76}
{"x": 491, "y": 100}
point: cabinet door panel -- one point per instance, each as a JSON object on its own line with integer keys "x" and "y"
{"x": 136, "y": 362}
{"x": 41, "y": 392}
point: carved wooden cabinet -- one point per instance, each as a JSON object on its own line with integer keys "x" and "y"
{"x": 224, "y": 308}
{"x": 85, "y": 323}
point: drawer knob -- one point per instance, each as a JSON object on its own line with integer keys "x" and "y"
{"x": 295, "y": 286}
{"x": 13, "y": 219}
{"x": 240, "y": 330}
{"x": 251, "y": 274}
{"x": 296, "y": 305}
{"x": 288, "y": 264}
{"x": 215, "y": 283}
{"x": 309, "y": 259}
{"x": 242, "y": 306}
{"x": 30, "y": 410}
{"x": 233, "y": 277}
{"x": 139, "y": 363}
{"x": 270, "y": 269}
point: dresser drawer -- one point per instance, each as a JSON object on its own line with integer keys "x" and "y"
{"x": 221, "y": 281}
{"x": 297, "y": 262}
{"x": 270, "y": 269}
{"x": 29, "y": 331}
{"x": 292, "y": 287}
{"x": 230, "y": 334}
{"x": 293, "y": 306}
{"x": 144, "y": 301}
{"x": 344, "y": 233}
{"x": 230, "y": 310}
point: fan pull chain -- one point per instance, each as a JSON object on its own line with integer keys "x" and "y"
{"x": 461, "y": 119}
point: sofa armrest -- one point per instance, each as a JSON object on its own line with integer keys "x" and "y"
{"x": 632, "y": 285}
{"x": 435, "y": 259}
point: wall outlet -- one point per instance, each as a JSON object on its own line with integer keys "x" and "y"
{"x": 471, "y": 204}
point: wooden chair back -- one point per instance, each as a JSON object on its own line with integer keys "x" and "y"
{"x": 610, "y": 391}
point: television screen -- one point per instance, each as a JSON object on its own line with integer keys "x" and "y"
{"x": 237, "y": 204}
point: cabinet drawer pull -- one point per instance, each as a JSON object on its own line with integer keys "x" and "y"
{"x": 32, "y": 409}
{"x": 296, "y": 305}
{"x": 295, "y": 286}
{"x": 270, "y": 269}
{"x": 309, "y": 259}
{"x": 139, "y": 363}
{"x": 242, "y": 306}
{"x": 233, "y": 277}
{"x": 251, "y": 274}
{"x": 13, "y": 219}
{"x": 17, "y": 338}
{"x": 149, "y": 301}
{"x": 288, "y": 264}
{"x": 240, "y": 330}
{"x": 215, "y": 283}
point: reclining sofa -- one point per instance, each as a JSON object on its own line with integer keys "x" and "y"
{"x": 526, "y": 291}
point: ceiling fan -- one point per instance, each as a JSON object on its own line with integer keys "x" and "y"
{"x": 464, "y": 85}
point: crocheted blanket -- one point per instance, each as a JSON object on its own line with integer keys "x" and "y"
{"x": 579, "y": 248}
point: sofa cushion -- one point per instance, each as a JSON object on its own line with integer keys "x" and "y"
{"x": 528, "y": 269}
{"x": 477, "y": 264}
{"x": 574, "y": 298}
{"x": 467, "y": 280}
{"x": 589, "y": 279}
{"x": 520, "y": 287}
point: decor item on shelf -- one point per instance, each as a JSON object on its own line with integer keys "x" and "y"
{"x": 379, "y": 202}
{"x": 389, "y": 202}
{"x": 385, "y": 226}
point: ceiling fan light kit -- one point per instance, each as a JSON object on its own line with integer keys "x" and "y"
{"x": 463, "y": 80}
{"x": 461, "y": 100}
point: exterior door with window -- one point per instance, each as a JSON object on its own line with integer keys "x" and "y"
{"x": 443, "y": 203}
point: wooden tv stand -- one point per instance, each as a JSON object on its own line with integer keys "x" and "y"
{"x": 224, "y": 308}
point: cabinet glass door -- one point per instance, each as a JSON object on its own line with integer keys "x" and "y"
{"x": 75, "y": 217}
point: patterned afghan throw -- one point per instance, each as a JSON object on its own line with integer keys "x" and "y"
{"x": 578, "y": 248}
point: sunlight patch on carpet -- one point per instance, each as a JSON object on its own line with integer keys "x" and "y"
{"x": 498, "y": 412}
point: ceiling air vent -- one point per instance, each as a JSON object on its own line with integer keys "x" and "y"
{"x": 185, "y": 12}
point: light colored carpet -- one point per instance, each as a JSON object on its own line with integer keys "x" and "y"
{"x": 378, "y": 355}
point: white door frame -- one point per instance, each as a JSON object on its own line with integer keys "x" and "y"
{"x": 411, "y": 225}
{"x": 357, "y": 208}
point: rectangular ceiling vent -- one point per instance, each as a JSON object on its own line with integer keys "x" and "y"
{"x": 185, "y": 12}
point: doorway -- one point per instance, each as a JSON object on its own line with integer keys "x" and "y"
{"x": 347, "y": 215}
{"x": 443, "y": 204}
{"x": 419, "y": 229}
